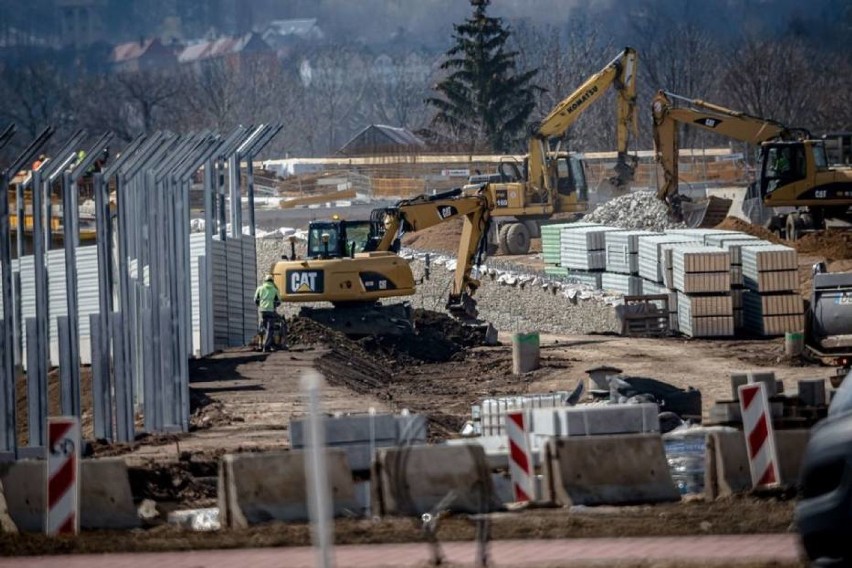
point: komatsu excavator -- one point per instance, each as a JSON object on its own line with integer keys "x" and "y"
{"x": 353, "y": 264}
{"x": 793, "y": 170}
{"x": 552, "y": 180}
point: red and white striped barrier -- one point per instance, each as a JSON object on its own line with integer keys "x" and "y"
{"x": 759, "y": 437}
{"x": 520, "y": 458}
{"x": 63, "y": 474}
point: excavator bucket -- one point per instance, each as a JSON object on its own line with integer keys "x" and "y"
{"x": 705, "y": 214}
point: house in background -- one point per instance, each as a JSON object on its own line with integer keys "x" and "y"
{"x": 233, "y": 51}
{"x": 142, "y": 55}
{"x": 381, "y": 139}
{"x": 284, "y": 33}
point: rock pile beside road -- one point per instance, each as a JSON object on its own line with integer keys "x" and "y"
{"x": 520, "y": 301}
{"x": 638, "y": 210}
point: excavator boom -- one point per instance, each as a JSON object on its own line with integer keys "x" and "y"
{"x": 620, "y": 73}
{"x": 707, "y": 116}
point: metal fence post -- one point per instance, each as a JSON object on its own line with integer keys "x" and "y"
{"x": 36, "y": 388}
{"x": 125, "y": 430}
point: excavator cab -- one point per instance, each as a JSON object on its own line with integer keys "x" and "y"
{"x": 782, "y": 163}
{"x": 337, "y": 239}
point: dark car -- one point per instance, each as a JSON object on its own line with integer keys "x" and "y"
{"x": 824, "y": 510}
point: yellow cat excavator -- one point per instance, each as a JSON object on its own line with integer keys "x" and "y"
{"x": 354, "y": 266}
{"x": 552, "y": 180}
{"x": 793, "y": 170}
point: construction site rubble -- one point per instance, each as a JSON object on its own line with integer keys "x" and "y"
{"x": 637, "y": 210}
{"x": 537, "y": 302}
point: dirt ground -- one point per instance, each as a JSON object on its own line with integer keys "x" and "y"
{"x": 733, "y": 516}
{"x": 243, "y": 401}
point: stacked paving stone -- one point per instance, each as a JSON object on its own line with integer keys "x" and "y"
{"x": 713, "y": 291}
{"x": 622, "y": 262}
{"x": 771, "y": 304}
{"x": 551, "y": 252}
{"x": 584, "y": 248}
{"x": 732, "y": 243}
{"x": 702, "y": 278}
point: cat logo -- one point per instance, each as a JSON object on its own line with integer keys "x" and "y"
{"x": 304, "y": 281}
{"x": 709, "y": 122}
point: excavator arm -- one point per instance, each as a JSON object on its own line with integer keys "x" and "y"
{"x": 620, "y": 73}
{"x": 427, "y": 211}
{"x": 707, "y": 116}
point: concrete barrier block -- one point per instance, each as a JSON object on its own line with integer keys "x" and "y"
{"x": 358, "y": 435}
{"x": 726, "y": 469}
{"x": 596, "y": 420}
{"x": 608, "y": 470}
{"x": 106, "y": 501}
{"x": 418, "y": 479}
{"x": 497, "y": 449}
{"x": 347, "y": 429}
{"x": 7, "y": 525}
{"x": 263, "y": 487}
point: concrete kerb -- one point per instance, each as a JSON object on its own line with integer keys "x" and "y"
{"x": 607, "y": 470}
{"x": 726, "y": 470}
{"x": 106, "y": 501}
{"x": 426, "y": 479}
{"x": 258, "y": 488}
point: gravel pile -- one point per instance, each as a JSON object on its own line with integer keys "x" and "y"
{"x": 518, "y": 301}
{"x": 269, "y": 252}
{"x": 638, "y": 210}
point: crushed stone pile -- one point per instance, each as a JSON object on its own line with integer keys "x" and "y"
{"x": 638, "y": 210}
{"x": 269, "y": 251}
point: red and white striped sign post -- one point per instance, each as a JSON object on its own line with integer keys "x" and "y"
{"x": 63, "y": 474}
{"x": 520, "y": 457}
{"x": 759, "y": 436}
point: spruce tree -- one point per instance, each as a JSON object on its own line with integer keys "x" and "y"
{"x": 484, "y": 100}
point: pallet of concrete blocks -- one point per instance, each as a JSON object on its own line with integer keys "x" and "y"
{"x": 622, "y": 251}
{"x": 702, "y": 278}
{"x": 773, "y": 268}
{"x": 666, "y": 262}
{"x": 702, "y": 235}
{"x": 772, "y": 304}
{"x": 698, "y": 269}
{"x": 584, "y": 248}
{"x": 732, "y": 242}
{"x": 623, "y": 284}
{"x": 551, "y": 243}
{"x": 705, "y": 315}
{"x": 650, "y": 252}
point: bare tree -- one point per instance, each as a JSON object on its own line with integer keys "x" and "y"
{"x": 334, "y": 82}
{"x": 396, "y": 91}
{"x": 778, "y": 80}
{"x": 566, "y": 57}
{"x": 35, "y": 96}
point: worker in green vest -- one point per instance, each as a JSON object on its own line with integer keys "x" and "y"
{"x": 267, "y": 299}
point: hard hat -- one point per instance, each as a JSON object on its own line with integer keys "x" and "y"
{"x": 268, "y": 278}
